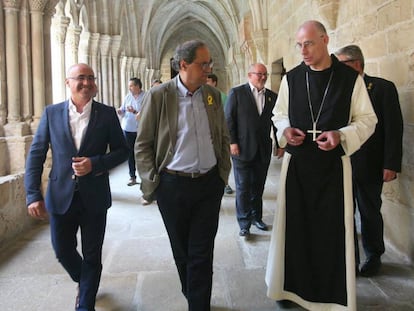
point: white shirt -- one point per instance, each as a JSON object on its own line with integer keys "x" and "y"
{"x": 259, "y": 97}
{"x": 79, "y": 122}
{"x": 129, "y": 122}
{"x": 194, "y": 151}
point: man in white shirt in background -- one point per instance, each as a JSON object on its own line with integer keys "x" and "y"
{"x": 129, "y": 123}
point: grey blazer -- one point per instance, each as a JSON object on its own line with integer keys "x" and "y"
{"x": 157, "y": 133}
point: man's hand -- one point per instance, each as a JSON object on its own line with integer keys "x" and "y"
{"x": 81, "y": 166}
{"x": 294, "y": 136}
{"x": 234, "y": 149}
{"x": 37, "y": 210}
{"x": 328, "y": 140}
{"x": 389, "y": 175}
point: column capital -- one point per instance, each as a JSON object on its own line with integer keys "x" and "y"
{"x": 116, "y": 45}
{"x": 37, "y": 5}
{"x": 50, "y": 9}
{"x": 60, "y": 25}
{"x": 73, "y": 36}
{"x": 12, "y": 4}
{"x": 105, "y": 44}
{"x": 94, "y": 43}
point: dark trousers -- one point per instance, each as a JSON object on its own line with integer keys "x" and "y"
{"x": 84, "y": 269}
{"x": 367, "y": 197}
{"x": 250, "y": 179}
{"x": 190, "y": 210}
{"x": 130, "y": 138}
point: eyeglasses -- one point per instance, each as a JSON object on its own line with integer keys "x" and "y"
{"x": 261, "y": 74}
{"x": 205, "y": 65}
{"x": 306, "y": 44}
{"x": 83, "y": 78}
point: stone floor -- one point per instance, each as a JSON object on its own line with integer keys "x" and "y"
{"x": 139, "y": 272}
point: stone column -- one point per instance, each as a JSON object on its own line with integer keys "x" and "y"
{"x": 260, "y": 42}
{"x": 60, "y": 25}
{"x": 104, "y": 47}
{"x": 117, "y": 96}
{"x": 11, "y": 26}
{"x": 11, "y": 9}
{"x": 38, "y": 70}
{"x": 124, "y": 74}
{"x": 3, "y": 108}
{"x": 94, "y": 61}
{"x": 47, "y": 22}
{"x": 72, "y": 44}
{"x": 84, "y": 55}
{"x": 143, "y": 72}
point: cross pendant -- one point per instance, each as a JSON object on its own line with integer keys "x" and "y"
{"x": 314, "y": 131}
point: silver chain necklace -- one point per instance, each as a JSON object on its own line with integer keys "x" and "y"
{"x": 314, "y": 131}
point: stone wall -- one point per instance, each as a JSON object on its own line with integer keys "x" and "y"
{"x": 13, "y": 212}
{"x": 383, "y": 30}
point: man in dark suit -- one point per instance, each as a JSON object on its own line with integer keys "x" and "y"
{"x": 378, "y": 160}
{"x": 248, "y": 113}
{"x": 86, "y": 142}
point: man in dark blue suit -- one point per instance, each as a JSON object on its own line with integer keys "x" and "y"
{"x": 378, "y": 160}
{"x": 86, "y": 141}
{"x": 248, "y": 113}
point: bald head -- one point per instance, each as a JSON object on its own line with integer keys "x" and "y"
{"x": 312, "y": 42}
{"x": 314, "y": 25}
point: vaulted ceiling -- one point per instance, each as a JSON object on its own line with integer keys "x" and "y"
{"x": 151, "y": 28}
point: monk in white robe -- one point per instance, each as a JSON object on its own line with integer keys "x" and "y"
{"x": 323, "y": 114}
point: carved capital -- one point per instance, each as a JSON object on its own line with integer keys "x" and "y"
{"x": 105, "y": 44}
{"x": 261, "y": 43}
{"x": 116, "y": 45}
{"x": 60, "y": 25}
{"x": 50, "y": 8}
{"x": 37, "y": 5}
{"x": 73, "y": 36}
{"x": 94, "y": 43}
{"x": 12, "y": 4}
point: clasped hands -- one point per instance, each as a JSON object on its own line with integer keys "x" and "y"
{"x": 326, "y": 140}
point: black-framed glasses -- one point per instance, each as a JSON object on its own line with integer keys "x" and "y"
{"x": 205, "y": 65}
{"x": 83, "y": 78}
{"x": 260, "y": 74}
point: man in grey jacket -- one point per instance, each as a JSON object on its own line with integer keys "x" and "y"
{"x": 183, "y": 158}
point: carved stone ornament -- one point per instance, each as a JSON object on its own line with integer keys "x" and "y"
{"x": 37, "y": 5}
{"x": 11, "y": 4}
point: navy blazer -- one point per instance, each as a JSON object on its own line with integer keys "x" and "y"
{"x": 104, "y": 144}
{"x": 247, "y": 128}
{"x": 384, "y": 148}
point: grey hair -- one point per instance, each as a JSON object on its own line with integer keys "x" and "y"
{"x": 352, "y": 52}
{"x": 187, "y": 52}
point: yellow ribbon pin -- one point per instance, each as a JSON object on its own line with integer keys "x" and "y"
{"x": 209, "y": 99}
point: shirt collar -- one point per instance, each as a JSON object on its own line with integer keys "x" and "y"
{"x": 252, "y": 88}
{"x": 182, "y": 90}
{"x": 86, "y": 109}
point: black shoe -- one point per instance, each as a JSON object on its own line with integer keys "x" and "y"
{"x": 228, "y": 190}
{"x": 244, "y": 232}
{"x": 371, "y": 267}
{"x": 260, "y": 225}
{"x": 285, "y": 304}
